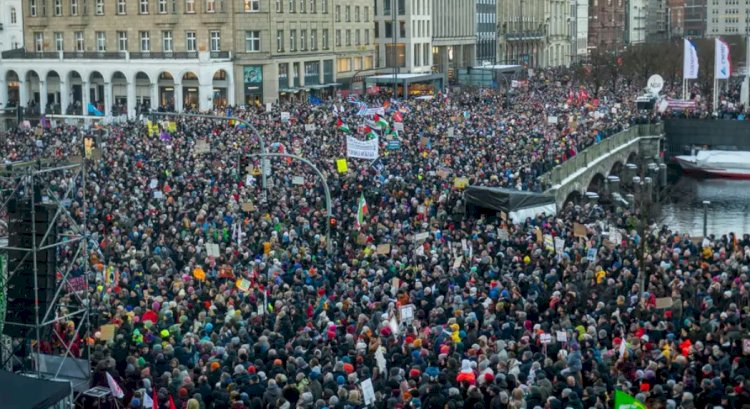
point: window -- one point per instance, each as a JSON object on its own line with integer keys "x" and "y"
{"x": 122, "y": 41}
{"x": 388, "y": 29}
{"x": 313, "y": 39}
{"x": 292, "y": 40}
{"x": 356, "y": 38}
{"x": 210, "y": 6}
{"x": 32, "y": 8}
{"x": 38, "y": 42}
{"x": 121, "y": 7}
{"x": 252, "y": 5}
{"x": 58, "y": 8}
{"x": 302, "y": 7}
{"x": 167, "y": 42}
{"x": 145, "y": 41}
{"x": 215, "y": 39}
{"x": 143, "y": 6}
{"x": 279, "y": 6}
{"x": 313, "y": 9}
{"x": 191, "y": 41}
{"x": 324, "y": 6}
{"x": 189, "y": 6}
{"x": 402, "y": 29}
{"x": 344, "y": 65}
{"x": 302, "y": 40}
{"x": 377, "y": 29}
{"x": 73, "y": 8}
{"x": 58, "y": 41}
{"x": 348, "y": 14}
{"x": 367, "y": 14}
{"x": 12, "y": 15}
{"x": 162, "y": 6}
{"x": 99, "y": 7}
{"x": 101, "y": 41}
{"x": 356, "y": 14}
{"x": 338, "y": 13}
{"x": 252, "y": 41}
{"x": 292, "y": 6}
{"x": 324, "y": 40}
{"x": 338, "y": 38}
{"x": 79, "y": 42}
{"x": 367, "y": 36}
{"x": 279, "y": 40}
{"x": 348, "y": 37}
{"x": 401, "y": 7}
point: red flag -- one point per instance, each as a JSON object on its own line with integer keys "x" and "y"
{"x": 397, "y": 116}
{"x": 155, "y": 400}
{"x": 171, "y": 403}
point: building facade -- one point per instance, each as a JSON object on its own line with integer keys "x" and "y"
{"x": 676, "y": 18}
{"x": 695, "y": 18}
{"x": 579, "y": 31}
{"x": 454, "y": 34}
{"x": 558, "y": 29}
{"x": 636, "y": 19}
{"x": 486, "y": 23}
{"x": 607, "y": 24}
{"x": 727, "y": 17}
{"x": 123, "y": 56}
{"x": 11, "y": 24}
{"x": 656, "y": 21}
{"x": 521, "y": 32}
{"x": 403, "y": 33}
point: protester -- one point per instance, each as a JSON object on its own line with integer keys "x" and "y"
{"x": 275, "y": 320}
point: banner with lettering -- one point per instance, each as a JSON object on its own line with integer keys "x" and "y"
{"x": 362, "y": 149}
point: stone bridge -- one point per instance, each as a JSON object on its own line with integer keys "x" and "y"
{"x": 588, "y": 171}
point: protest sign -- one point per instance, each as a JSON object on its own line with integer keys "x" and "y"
{"x": 362, "y": 149}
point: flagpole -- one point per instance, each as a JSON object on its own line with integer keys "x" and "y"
{"x": 716, "y": 95}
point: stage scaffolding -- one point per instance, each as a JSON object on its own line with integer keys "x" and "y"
{"x": 60, "y": 187}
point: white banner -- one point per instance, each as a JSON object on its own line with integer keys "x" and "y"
{"x": 690, "y": 61}
{"x": 722, "y": 64}
{"x": 371, "y": 111}
{"x": 362, "y": 149}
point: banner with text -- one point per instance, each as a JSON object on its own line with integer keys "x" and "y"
{"x": 362, "y": 149}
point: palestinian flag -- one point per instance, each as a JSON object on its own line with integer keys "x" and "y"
{"x": 361, "y": 211}
{"x": 370, "y": 134}
{"x": 342, "y": 126}
{"x": 381, "y": 122}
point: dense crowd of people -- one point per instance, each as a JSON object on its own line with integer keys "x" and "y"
{"x": 500, "y": 319}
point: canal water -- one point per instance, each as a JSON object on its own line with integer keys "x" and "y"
{"x": 729, "y": 210}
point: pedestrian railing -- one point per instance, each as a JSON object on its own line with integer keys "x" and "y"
{"x": 582, "y": 160}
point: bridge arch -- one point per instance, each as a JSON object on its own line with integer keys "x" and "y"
{"x": 575, "y": 197}
{"x": 616, "y": 169}
{"x": 596, "y": 184}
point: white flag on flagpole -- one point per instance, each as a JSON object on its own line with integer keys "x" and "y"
{"x": 722, "y": 63}
{"x": 114, "y": 387}
{"x": 690, "y": 61}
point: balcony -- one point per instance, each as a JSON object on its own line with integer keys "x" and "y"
{"x": 525, "y": 35}
{"x": 23, "y": 54}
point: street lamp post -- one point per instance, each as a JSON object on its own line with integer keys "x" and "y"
{"x": 706, "y": 203}
{"x": 324, "y": 182}
{"x": 264, "y": 177}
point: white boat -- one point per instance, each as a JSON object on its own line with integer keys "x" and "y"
{"x": 727, "y": 164}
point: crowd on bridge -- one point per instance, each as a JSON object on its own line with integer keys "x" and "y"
{"x": 432, "y": 306}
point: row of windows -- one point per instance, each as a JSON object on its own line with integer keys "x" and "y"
{"x": 76, "y": 7}
{"x": 348, "y": 14}
{"x": 144, "y": 41}
{"x": 298, "y": 40}
{"x": 360, "y": 37}
{"x": 422, "y": 28}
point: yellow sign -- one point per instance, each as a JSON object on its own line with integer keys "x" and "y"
{"x": 342, "y": 166}
{"x": 460, "y": 183}
{"x": 172, "y": 126}
{"x": 199, "y": 274}
{"x": 88, "y": 144}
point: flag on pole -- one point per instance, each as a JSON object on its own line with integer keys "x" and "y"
{"x": 722, "y": 61}
{"x": 342, "y": 126}
{"x": 380, "y": 122}
{"x": 370, "y": 134}
{"x": 114, "y": 387}
{"x": 690, "y": 61}
{"x": 148, "y": 402}
{"x": 93, "y": 111}
{"x": 361, "y": 211}
{"x": 625, "y": 401}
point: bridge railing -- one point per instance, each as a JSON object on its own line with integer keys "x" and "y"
{"x": 593, "y": 152}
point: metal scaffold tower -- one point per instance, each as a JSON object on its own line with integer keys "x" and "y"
{"x": 44, "y": 267}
